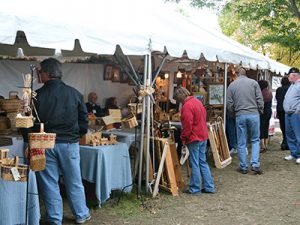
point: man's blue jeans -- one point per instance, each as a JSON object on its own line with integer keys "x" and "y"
{"x": 292, "y": 131}
{"x": 64, "y": 158}
{"x": 244, "y": 124}
{"x": 200, "y": 172}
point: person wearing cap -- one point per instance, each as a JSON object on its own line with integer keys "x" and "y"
{"x": 291, "y": 105}
{"x": 194, "y": 135}
{"x": 245, "y": 101}
{"x": 280, "y": 114}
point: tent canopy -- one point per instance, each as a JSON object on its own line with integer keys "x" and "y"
{"x": 137, "y": 26}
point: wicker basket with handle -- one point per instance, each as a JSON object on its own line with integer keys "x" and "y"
{"x": 42, "y": 140}
{"x": 129, "y": 122}
{"x": 6, "y": 173}
{"x": 37, "y": 159}
{"x": 24, "y": 121}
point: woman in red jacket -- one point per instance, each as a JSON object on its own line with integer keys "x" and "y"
{"x": 194, "y": 135}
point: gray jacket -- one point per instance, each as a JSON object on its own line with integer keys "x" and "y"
{"x": 291, "y": 103}
{"x": 244, "y": 97}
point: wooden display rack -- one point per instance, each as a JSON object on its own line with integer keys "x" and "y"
{"x": 218, "y": 144}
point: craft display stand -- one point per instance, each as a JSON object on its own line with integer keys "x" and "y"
{"x": 218, "y": 144}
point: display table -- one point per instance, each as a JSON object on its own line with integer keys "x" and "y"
{"x": 13, "y": 202}
{"x": 108, "y": 167}
{"x": 125, "y": 135}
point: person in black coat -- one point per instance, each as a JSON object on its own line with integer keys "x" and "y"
{"x": 280, "y": 94}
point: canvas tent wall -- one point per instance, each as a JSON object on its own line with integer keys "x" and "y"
{"x": 130, "y": 24}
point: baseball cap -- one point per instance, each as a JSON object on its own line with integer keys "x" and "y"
{"x": 293, "y": 70}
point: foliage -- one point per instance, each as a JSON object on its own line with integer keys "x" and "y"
{"x": 270, "y": 27}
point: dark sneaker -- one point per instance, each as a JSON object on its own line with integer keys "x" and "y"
{"x": 187, "y": 191}
{"x": 242, "y": 171}
{"x": 84, "y": 220}
{"x": 257, "y": 170}
{"x": 207, "y": 192}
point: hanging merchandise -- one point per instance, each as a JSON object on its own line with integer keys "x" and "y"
{"x": 24, "y": 118}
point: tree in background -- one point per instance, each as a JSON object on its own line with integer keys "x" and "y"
{"x": 271, "y": 27}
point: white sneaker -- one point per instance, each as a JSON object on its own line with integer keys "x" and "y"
{"x": 290, "y": 157}
{"x": 233, "y": 151}
{"x": 298, "y": 161}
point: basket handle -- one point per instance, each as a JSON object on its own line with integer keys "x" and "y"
{"x": 41, "y": 127}
{"x": 16, "y": 161}
{"x": 12, "y": 94}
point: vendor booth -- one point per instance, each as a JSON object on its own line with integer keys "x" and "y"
{"x": 138, "y": 61}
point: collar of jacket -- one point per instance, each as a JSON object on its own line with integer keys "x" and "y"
{"x": 53, "y": 81}
{"x": 187, "y": 99}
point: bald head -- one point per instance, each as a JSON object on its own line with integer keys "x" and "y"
{"x": 241, "y": 71}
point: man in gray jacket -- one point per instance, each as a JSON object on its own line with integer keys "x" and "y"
{"x": 245, "y": 101}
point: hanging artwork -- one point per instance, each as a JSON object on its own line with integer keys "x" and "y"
{"x": 215, "y": 94}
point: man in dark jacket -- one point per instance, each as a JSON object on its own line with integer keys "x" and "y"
{"x": 62, "y": 110}
{"x": 280, "y": 94}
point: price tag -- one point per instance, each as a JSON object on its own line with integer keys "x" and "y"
{"x": 94, "y": 111}
{"x": 15, "y": 173}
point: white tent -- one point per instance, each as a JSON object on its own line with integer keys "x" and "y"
{"x": 131, "y": 24}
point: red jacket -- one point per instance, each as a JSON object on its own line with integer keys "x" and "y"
{"x": 193, "y": 120}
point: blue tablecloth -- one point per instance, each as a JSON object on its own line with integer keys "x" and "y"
{"x": 13, "y": 202}
{"x": 125, "y": 135}
{"x": 108, "y": 167}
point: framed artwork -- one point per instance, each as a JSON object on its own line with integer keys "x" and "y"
{"x": 124, "y": 77}
{"x": 107, "y": 72}
{"x": 116, "y": 74}
{"x": 201, "y": 96}
{"x": 215, "y": 94}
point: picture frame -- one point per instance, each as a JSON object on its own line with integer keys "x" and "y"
{"x": 116, "y": 74}
{"x": 201, "y": 96}
{"x": 107, "y": 72}
{"x": 124, "y": 78}
{"x": 215, "y": 93}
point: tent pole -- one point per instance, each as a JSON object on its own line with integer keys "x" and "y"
{"x": 225, "y": 93}
{"x": 133, "y": 70}
{"x": 148, "y": 85}
{"x": 159, "y": 69}
{"x": 142, "y": 130}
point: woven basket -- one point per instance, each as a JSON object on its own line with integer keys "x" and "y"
{"x": 12, "y": 118}
{"x": 130, "y": 122}
{"x": 37, "y": 159}
{"x": 10, "y": 105}
{"x": 6, "y": 173}
{"x": 42, "y": 140}
{"x": 24, "y": 122}
{"x": 4, "y": 123}
{"x": 135, "y": 107}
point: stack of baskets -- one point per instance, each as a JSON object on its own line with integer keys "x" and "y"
{"x": 6, "y": 170}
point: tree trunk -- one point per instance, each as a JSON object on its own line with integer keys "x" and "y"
{"x": 295, "y": 9}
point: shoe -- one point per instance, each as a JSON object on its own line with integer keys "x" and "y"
{"x": 207, "y": 192}
{"x": 289, "y": 157}
{"x": 187, "y": 191}
{"x": 242, "y": 171}
{"x": 257, "y": 170}
{"x": 298, "y": 161}
{"x": 233, "y": 151}
{"x": 82, "y": 221}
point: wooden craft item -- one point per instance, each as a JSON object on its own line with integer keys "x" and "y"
{"x": 108, "y": 121}
{"x": 4, "y": 123}
{"x": 112, "y": 139}
{"x": 218, "y": 144}
{"x": 23, "y": 121}
{"x": 116, "y": 115}
{"x": 163, "y": 116}
{"x": 3, "y": 155}
{"x": 6, "y": 173}
{"x": 176, "y": 117}
{"x": 135, "y": 108}
{"x": 129, "y": 122}
{"x": 10, "y": 105}
{"x": 87, "y": 138}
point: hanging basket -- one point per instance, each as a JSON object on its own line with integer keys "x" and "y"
{"x": 37, "y": 159}
{"x": 24, "y": 122}
{"x": 135, "y": 107}
{"x": 10, "y": 105}
{"x": 130, "y": 122}
{"x": 42, "y": 140}
{"x": 6, "y": 173}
